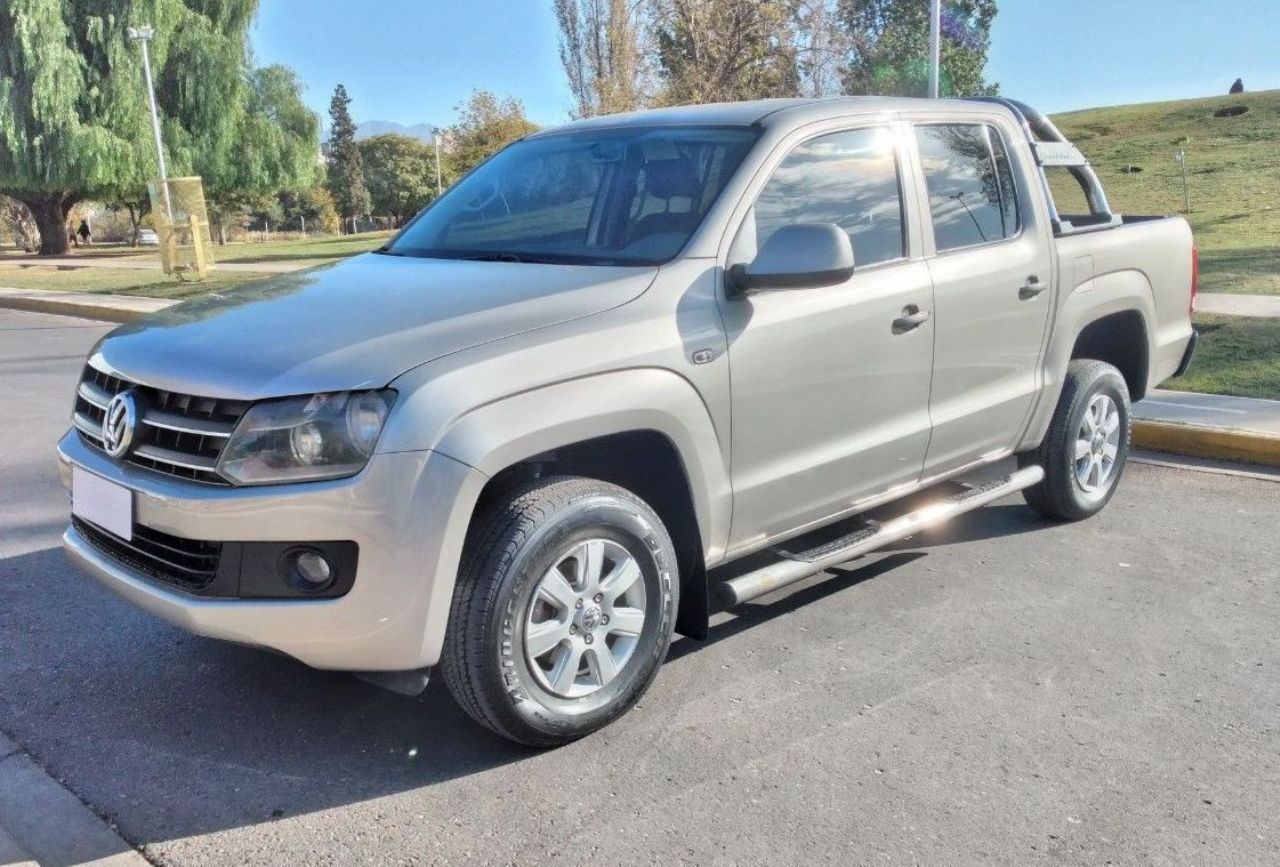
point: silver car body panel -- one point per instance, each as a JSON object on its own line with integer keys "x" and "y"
{"x": 787, "y": 409}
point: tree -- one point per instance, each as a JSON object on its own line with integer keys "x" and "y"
{"x": 274, "y": 145}
{"x": 400, "y": 172}
{"x": 486, "y": 125}
{"x": 74, "y": 122}
{"x": 603, "y": 51}
{"x": 723, "y": 50}
{"x": 17, "y": 219}
{"x": 889, "y": 47}
{"x": 312, "y": 206}
{"x": 346, "y": 174}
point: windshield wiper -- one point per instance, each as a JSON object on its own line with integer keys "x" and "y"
{"x": 503, "y": 257}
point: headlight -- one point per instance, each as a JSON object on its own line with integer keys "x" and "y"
{"x": 295, "y": 439}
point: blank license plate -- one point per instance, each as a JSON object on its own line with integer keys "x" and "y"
{"x": 103, "y": 503}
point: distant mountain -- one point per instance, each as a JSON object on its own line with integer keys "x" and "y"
{"x": 370, "y": 128}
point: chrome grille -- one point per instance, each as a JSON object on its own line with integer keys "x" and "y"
{"x": 186, "y": 563}
{"x": 178, "y": 434}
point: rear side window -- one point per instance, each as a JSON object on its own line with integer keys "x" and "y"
{"x": 847, "y": 178}
{"x": 972, "y": 198}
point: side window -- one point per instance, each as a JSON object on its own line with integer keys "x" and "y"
{"x": 972, "y": 198}
{"x": 847, "y": 178}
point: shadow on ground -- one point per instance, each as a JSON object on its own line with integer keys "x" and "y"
{"x": 193, "y": 735}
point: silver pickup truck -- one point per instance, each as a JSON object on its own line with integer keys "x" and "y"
{"x": 536, "y": 433}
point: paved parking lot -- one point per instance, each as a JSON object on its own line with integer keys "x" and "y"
{"x": 1005, "y": 691}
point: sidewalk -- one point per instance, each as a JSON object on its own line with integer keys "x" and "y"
{"x": 112, "y": 308}
{"x": 1209, "y": 426}
{"x": 41, "y": 823}
{"x": 1266, "y": 306}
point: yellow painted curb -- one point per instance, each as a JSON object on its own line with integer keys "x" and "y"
{"x": 1208, "y": 442}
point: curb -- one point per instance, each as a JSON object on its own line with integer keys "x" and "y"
{"x": 43, "y": 823}
{"x": 108, "y": 308}
{"x": 1201, "y": 441}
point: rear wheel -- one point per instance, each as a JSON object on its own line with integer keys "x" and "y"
{"x": 1084, "y": 452}
{"x": 563, "y": 611}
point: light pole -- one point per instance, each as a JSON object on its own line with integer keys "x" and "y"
{"x": 935, "y": 45}
{"x": 144, "y": 34}
{"x": 435, "y": 138}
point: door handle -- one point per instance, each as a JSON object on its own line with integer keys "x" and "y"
{"x": 1032, "y": 288}
{"x": 912, "y": 317}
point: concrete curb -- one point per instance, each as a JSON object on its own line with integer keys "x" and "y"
{"x": 1202, "y": 441}
{"x": 112, "y": 308}
{"x": 43, "y": 823}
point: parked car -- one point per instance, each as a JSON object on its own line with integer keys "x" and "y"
{"x": 513, "y": 442}
{"x": 148, "y": 238}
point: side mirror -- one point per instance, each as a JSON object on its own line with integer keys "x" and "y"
{"x": 798, "y": 256}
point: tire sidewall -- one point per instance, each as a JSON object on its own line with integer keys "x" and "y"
{"x": 638, "y": 530}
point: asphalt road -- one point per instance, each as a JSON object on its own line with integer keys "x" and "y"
{"x": 1006, "y": 691}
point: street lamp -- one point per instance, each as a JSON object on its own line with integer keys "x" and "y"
{"x": 144, "y": 34}
{"x": 935, "y": 45}
{"x": 435, "y": 138}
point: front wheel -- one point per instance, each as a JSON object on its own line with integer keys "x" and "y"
{"x": 563, "y": 612}
{"x": 1084, "y": 452}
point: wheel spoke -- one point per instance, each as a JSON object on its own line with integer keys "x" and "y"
{"x": 557, "y": 590}
{"x": 1082, "y": 449}
{"x": 591, "y": 558}
{"x": 620, "y": 580}
{"x": 1095, "y": 473}
{"x": 565, "y": 671}
{"x": 626, "y": 621}
{"x": 1112, "y": 423}
{"x": 1109, "y": 450}
{"x": 602, "y": 664}
{"x": 544, "y": 636}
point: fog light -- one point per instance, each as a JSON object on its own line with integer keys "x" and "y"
{"x": 311, "y": 570}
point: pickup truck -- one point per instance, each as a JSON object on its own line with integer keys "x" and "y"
{"x": 538, "y": 432}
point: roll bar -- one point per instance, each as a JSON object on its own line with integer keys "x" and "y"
{"x": 1053, "y": 150}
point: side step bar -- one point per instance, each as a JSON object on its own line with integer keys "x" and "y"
{"x": 746, "y": 587}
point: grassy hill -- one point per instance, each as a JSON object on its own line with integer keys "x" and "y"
{"x": 1233, "y": 170}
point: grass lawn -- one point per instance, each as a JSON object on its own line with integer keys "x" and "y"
{"x": 309, "y": 251}
{"x": 1237, "y": 355}
{"x": 122, "y": 281}
{"x": 1233, "y": 169}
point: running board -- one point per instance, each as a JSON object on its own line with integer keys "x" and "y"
{"x": 746, "y": 587}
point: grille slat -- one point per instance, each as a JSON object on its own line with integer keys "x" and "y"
{"x": 180, "y": 435}
{"x": 186, "y": 563}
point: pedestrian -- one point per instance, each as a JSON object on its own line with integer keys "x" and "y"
{"x": 72, "y": 237}
{"x": 85, "y": 234}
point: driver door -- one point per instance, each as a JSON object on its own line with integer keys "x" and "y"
{"x": 830, "y": 388}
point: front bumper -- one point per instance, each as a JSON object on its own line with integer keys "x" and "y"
{"x": 407, "y": 511}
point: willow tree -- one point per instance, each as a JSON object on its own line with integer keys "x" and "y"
{"x": 73, "y": 110}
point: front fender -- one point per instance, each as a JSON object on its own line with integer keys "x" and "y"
{"x": 494, "y": 436}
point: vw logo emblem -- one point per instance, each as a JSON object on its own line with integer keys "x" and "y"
{"x": 119, "y": 423}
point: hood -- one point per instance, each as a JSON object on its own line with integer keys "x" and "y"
{"x": 357, "y": 324}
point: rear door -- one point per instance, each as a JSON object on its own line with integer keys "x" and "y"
{"x": 992, "y": 272}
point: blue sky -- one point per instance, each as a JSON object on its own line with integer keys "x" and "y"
{"x": 412, "y": 61}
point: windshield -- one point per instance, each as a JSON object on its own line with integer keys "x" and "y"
{"x": 601, "y": 197}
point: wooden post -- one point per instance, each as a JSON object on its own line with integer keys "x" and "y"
{"x": 197, "y": 248}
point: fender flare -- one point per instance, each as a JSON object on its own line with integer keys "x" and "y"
{"x": 496, "y": 435}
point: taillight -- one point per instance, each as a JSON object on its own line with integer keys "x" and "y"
{"x": 1195, "y": 277}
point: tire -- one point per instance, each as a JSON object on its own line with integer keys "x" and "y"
{"x": 1090, "y": 388}
{"x": 508, "y": 608}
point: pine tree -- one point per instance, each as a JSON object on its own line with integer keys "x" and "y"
{"x": 346, "y": 174}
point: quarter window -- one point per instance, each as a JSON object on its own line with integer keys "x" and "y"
{"x": 847, "y": 178}
{"x": 972, "y": 198}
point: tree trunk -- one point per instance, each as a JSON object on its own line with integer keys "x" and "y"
{"x": 51, "y": 219}
{"x": 135, "y": 225}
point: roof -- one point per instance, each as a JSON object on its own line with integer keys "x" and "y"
{"x": 766, "y": 112}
